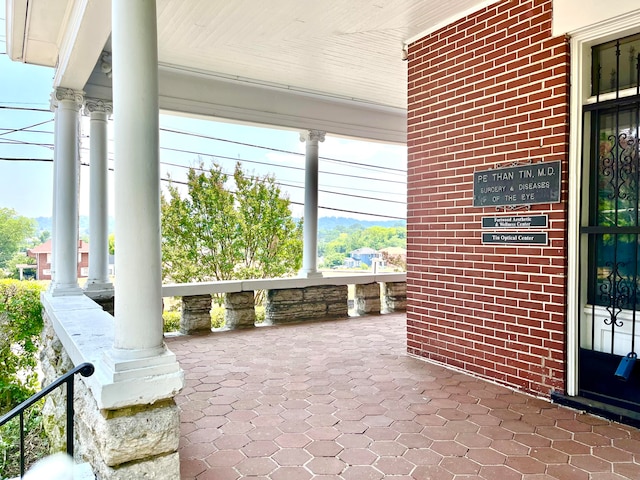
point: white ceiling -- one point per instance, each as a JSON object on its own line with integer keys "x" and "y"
{"x": 344, "y": 48}
{"x": 336, "y": 51}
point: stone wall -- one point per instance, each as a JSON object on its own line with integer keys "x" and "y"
{"x": 196, "y": 314}
{"x": 310, "y": 303}
{"x": 239, "y": 310}
{"x": 367, "y": 298}
{"x": 394, "y": 297}
{"x": 138, "y": 442}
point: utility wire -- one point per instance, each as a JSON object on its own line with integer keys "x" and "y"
{"x": 279, "y": 166}
{"x": 26, "y": 128}
{"x": 279, "y": 150}
{"x": 185, "y": 183}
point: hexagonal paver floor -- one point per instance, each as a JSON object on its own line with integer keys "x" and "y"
{"x": 340, "y": 399}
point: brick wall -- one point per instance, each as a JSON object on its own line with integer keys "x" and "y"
{"x": 489, "y": 89}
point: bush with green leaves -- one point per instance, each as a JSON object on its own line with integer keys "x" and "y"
{"x": 20, "y": 328}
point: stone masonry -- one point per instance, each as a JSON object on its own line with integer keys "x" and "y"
{"x": 394, "y": 297}
{"x": 310, "y": 303}
{"x": 239, "y": 310}
{"x": 133, "y": 442}
{"x": 367, "y": 298}
{"x": 196, "y": 314}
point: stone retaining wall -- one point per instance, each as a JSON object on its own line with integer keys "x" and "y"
{"x": 310, "y": 303}
{"x": 123, "y": 444}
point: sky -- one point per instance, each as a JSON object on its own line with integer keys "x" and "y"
{"x": 374, "y": 182}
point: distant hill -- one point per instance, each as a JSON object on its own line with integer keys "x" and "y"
{"x": 45, "y": 223}
{"x": 329, "y": 223}
{"x": 324, "y": 223}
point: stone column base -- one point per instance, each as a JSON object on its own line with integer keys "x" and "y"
{"x": 239, "y": 310}
{"x": 394, "y": 296}
{"x": 196, "y": 314}
{"x": 367, "y": 299}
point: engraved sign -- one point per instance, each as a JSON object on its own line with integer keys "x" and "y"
{"x": 515, "y": 238}
{"x": 520, "y": 185}
{"x": 520, "y": 221}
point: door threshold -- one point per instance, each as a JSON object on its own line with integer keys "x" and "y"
{"x": 610, "y": 412}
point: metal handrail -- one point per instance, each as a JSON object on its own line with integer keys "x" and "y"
{"x": 86, "y": 370}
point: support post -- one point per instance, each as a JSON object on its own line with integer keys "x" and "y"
{"x": 310, "y": 245}
{"x": 67, "y": 104}
{"x": 98, "y": 285}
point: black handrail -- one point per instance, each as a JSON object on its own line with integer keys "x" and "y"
{"x": 86, "y": 370}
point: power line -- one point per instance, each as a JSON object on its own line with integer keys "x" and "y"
{"x": 279, "y": 150}
{"x": 26, "y": 109}
{"x": 278, "y": 166}
{"x": 26, "y": 128}
{"x": 14, "y": 159}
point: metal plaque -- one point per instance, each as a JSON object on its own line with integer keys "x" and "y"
{"x": 520, "y": 185}
{"x": 515, "y": 238}
{"x": 519, "y": 221}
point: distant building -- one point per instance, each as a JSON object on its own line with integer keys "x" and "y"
{"x": 364, "y": 255}
{"x": 42, "y": 254}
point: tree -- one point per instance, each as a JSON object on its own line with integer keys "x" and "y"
{"x": 14, "y": 233}
{"x": 214, "y": 233}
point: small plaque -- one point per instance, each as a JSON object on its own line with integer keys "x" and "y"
{"x": 519, "y": 221}
{"x": 520, "y": 185}
{"x": 515, "y": 238}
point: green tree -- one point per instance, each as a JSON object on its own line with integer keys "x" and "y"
{"x": 112, "y": 244}
{"x": 216, "y": 233}
{"x": 14, "y": 233}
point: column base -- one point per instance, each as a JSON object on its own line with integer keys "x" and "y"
{"x": 309, "y": 274}
{"x": 125, "y": 381}
{"x": 95, "y": 289}
{"x": 65, "y": 289}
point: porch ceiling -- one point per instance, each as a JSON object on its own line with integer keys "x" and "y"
{"x": 333, "y": 50}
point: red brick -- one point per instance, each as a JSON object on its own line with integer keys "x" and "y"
{"x": 491, "y": 88}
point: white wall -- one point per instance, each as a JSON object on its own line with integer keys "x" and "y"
{"x": 572, "y": 15}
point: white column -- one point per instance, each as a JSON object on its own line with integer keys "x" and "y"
{"x": 138, "y": 288}
{"x": 310, "y": 245}
{"x": 67, "y": 103}
{"x": 98, "y": 284}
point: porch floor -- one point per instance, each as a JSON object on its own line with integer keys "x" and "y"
{"x": 342, "y": 400}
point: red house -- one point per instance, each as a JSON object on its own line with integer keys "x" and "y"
{"x": 42, "y": 254}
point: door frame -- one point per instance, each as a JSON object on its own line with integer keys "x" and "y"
{"x": 580, "y": 80}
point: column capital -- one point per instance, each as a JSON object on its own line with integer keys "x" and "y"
{"x": 97, "y": 105}
{"x": 317, "y": 135}
{"x": 61, "y": 94}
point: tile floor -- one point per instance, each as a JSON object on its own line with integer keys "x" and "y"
{"x": 341, "y": 400}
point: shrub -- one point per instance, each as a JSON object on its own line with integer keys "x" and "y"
{"x": 171, "y": 320}
{"x": 20, "y": 328}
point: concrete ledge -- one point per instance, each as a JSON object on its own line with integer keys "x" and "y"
{"x": 235, "y": 286}
{"x": 87, "y": 334}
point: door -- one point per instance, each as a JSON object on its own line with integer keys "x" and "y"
{"x": 610, "y": 235}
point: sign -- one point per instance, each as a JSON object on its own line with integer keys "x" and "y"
{"x": 520, "y": 221}
{"x": 521, "y": 185}
{"x": 515, "y": 238}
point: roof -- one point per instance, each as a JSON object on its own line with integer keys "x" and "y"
{"x": 334, "y": 65}
{"x": 394, "y": 250}
{"x": 364, "y": 251}
{"x": 83, "y": 247}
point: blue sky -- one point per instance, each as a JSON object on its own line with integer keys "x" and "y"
{"x": 26, "y": 186}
